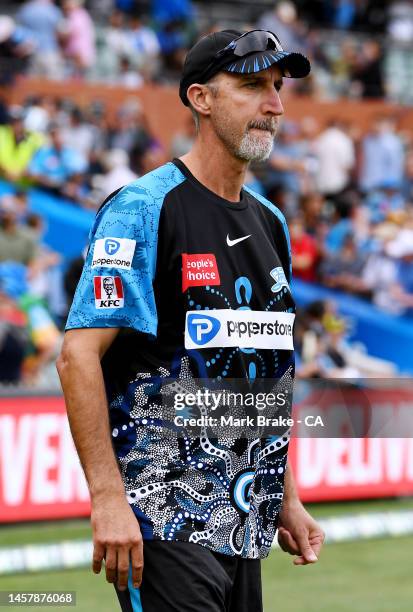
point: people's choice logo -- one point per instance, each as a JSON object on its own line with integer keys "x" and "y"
{"x": 239, "y": 328}
{"x": 112, "y": 246}
{"x": 113, "y": 253}
{"x": 199, "y": 270}
{"x": 202, "y": 328}
{"x": 108, "y": 292}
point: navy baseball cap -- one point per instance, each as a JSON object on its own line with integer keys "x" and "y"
{"x": 238, "y": 52}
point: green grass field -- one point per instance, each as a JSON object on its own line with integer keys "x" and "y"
{"x": 364, "y": 576}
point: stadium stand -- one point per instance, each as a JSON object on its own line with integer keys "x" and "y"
{"x": 341, "y": 171}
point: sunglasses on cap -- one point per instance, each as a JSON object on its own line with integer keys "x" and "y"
{"x": 251, "y": 42}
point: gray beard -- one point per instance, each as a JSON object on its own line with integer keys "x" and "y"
{"x": 255, "y": 148}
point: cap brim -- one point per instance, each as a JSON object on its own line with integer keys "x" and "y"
{"x": 293, "y": 65}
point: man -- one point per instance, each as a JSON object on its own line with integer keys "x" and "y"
{"x": 17, "y": 146}
{"x": 196, "y": 260}
{"x": 16, "y": 47}
{"x": 43, "y": 19}
{"x": 55, "y": 163}
{"x": 78, "y": 36}
{"x": 382, "y": 155}
{"x": 16, "y": 243}
{"x": 336, "y": 158}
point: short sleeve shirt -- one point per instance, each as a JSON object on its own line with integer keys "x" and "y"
{"x": 199, "y": 287}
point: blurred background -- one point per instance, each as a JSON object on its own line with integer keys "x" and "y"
{"x": 88, "y": 103}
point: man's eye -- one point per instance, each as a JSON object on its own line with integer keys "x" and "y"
{"x": 252, "y": 84}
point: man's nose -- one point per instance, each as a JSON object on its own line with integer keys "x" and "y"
{"x": 273, "y": 104}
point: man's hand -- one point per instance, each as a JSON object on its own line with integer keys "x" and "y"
{"x": 299, "y": 534}
{"x": 117, "y": 539}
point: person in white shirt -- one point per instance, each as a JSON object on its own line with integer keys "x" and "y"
{"x": 336, "y": 159}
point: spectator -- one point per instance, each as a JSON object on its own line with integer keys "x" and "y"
{"x": 117, "y": 44}
{"x": 127, "y": 6}
{"x": 79, "y": 134}
{"x": 17, "y": 146}
{"x": 367, "y": 73}
{"x": 16, "y": 203}
{"x": 399, "y": 53}
{"x": 407, "y": 187}
{"x": 380, "y": 272}
{"x": 55, "y": 163}
{"x": 401, "y": 249}
{"x": 304, "y": 251}
{"x": 336, "y": 159}
{"x": 382, "y": 156}
{"x": 144, "y": 46}
{"x": 332, "y": 357}
{"x": 98, "y": 125}
{"x": 128, "y": 76}
{"x": 342, "y": 269}
{"x": 384, "y": 201}
{"x": 287, "y": 168}
{"x": 101, "y": 9}
{"x": 282, "y": 20}
{"x": 40, "y": 111}
{"x": 340, "y": 226}
{"x": 174, "y": 20}
{"x": 16, "y": 47}
{"x": 343, "y": 14}
{"x": 37, "y": 117}
{"x": 311, "y": 206}
{"x": 78, "y": 36}
{"x": 14, "y": 339}
{"x": 45, "y": 278}
{"x": 131, "y": 133}
{"x": 72, "y": 277}
{"x": 118, "y": 173}
{"x": 16, "y": 244}
{"x": 43, "y": 19}
{"x": 400, "y": 22}
{"x": 168, "y": 11}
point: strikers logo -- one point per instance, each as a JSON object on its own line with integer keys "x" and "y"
{"x": 108, "y": 292}
{"x": 278, "y": 275}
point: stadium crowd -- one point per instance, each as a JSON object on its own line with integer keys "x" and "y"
{"x": 360, "y": 49}
{"x": 347, "y": 195}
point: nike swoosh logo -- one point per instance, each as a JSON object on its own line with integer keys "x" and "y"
{"x": 231, "y": 243}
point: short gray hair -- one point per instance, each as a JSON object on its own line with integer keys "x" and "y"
{"x": 213, "y": 87}
{"x": 195, "y": 116}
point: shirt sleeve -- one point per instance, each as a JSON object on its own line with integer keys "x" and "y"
{"x": 116, "y": 285}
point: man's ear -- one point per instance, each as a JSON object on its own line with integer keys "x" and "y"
{"x": 200, "y": 98}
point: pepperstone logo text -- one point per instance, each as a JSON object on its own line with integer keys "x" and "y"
{"x": 113, "y": 253}
{"x": 239, "y": 328}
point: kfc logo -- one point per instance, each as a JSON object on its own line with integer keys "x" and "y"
{"x": 108, "y": 292}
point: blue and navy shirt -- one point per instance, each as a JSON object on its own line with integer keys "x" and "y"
{"x": 199, "y": 288}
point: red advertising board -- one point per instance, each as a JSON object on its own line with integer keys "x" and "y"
{"x": 370, "y": 461}
{"x": 40, "y": 473}
{"x": 352, "y": 468}
{"x": 41, "y": 477}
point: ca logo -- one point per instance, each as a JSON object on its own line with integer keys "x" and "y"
{"x": 111, "y": 246}
{"x": 202, "y": 329}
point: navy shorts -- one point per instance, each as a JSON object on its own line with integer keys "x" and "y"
{"x": 186, "y": 577}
